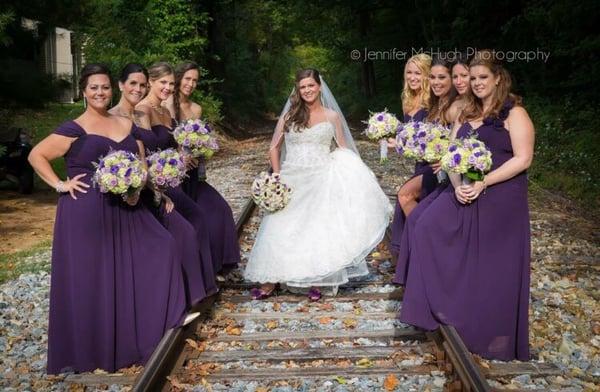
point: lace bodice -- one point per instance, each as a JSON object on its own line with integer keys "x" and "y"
{"x": 311, "y": 146}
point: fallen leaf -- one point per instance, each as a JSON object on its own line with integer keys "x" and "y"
{"x": 327, "y": 307}
{"x": 390, "y": 383}
{"x": 340, "y": 380}
{"x": 192, "y": 343}
{"x": 231, "y": 330}
{"x": 325, "y": 320}
{"x": 350, "y": 323}
{"x": 364, "y": 363}
{"x": 276, "y": 306}
{"x": 272, "y": 324}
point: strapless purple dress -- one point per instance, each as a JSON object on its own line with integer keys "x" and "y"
{"x": 428, "y": 185}
{"x": 200, "y": 274}
{"x": 469, "y": 264}
{"x": 116, "y": 281}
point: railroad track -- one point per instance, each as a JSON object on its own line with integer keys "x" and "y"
{"x": 353, "y": 338}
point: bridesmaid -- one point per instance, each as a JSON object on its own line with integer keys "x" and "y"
{"x": 415, "y": 100}
{"x": 116, "y": 285}
{"x": 470, "y": 253}
{"x": 224, "y": 244}
{"x": 155, "y": 133}
{"x": 133, "y": 85}
{"x": 442, "y": 110}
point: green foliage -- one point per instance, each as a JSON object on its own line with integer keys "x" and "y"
{"x": 6, "y": 17}
{"x": 20, "y": 78}
{"x": 211, "y": 106}
{"x": 567, "y": 147}
{"x": 41, "y": 123}
{"x": 145, "y": 32}
{"x": 174, "y": 34}
{"x": 34, "y": 259}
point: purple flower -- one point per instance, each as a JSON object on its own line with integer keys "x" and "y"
{"x": 380, "y": 117}
{"x": 128, "y": 172}
{"x": 114, "y": 169}
{"x": 457, "y": 158}
{"x": 452, "y": 148}
{"x": 195, "y": 127}
{"x": 173, "y": 162}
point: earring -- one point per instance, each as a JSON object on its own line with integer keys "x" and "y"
{"x": 84, "y": 103}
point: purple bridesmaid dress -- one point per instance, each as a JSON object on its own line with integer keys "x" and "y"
{"x": 187, "y": 221}
{"x": 404, "y": 245}
{"x": 469, "y": 264}
{"x": 224, "y": 244}
{"x": 116, "y": 282}
{"x": 429, "y": 183}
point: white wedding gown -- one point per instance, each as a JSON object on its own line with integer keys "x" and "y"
{"x": 336, "y": 215}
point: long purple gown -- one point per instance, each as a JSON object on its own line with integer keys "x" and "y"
{"x": 429, "y": 183}
{"x": 187, "y": 220}
{"x": 224, "y": 245}
{"x": 116, "y": 282}
{"x": 403, "y": 250}
{"x": 469, "y": 264}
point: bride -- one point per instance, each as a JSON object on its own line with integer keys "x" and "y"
{"x": 337, "y": 213}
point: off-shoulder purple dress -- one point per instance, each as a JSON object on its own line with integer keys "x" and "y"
{"x": 469, "y": 264}
{"x": 429, "y": 183}
{"x": 199, "y": 269}
{"x": 116, "y": 282}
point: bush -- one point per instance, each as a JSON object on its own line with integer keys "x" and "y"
{"x": 24, "y": 84}
{"x": 566, "y": 148}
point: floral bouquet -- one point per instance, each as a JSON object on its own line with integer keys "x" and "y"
{"x": 166, "y": 168}
{"x": 409, "y": 139}
{"x": 423, "y": 141}
{"x": 196, "y": 139}
{"x": 469, "y": 157}
{"x": 379, "y": 126}
{"x": 269, "y": 192}
{"x": 120, "y": 172}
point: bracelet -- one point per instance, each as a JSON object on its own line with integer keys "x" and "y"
{"x": 484, "y": 185}
{"x": 60, "y": 187}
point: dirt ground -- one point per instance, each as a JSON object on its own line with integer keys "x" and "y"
{"x": 25, "y": 220}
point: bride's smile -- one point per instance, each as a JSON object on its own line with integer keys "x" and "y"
{"x": 309, "y": 90}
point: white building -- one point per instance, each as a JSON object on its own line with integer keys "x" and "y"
{"x": 58, "y": 59}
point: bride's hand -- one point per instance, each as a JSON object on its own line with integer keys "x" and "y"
{"x": 391, "y": 142}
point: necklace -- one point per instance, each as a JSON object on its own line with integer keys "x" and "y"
{"x": 159, "y": 109}
{"x": 125, "y": 114}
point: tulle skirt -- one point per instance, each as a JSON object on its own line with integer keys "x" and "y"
{"x": 337, "y": 214}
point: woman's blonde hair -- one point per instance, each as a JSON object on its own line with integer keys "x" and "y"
{"x": 412, "y": 99}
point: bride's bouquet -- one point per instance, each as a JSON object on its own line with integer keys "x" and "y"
{"x": 120, "y": 172}
{"x": 166, "y": 168}
{"x": 469, "y": 157}
{"x": 269, "y": 192}
{"x": 379, "y": 126}
{"x": 196, "y": 139}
